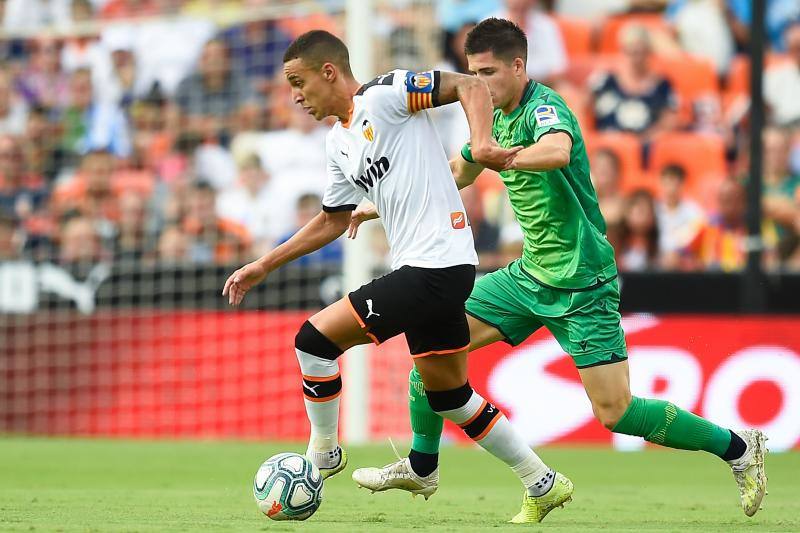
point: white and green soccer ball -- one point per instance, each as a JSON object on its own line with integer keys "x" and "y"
{"x": 288, "y": 486}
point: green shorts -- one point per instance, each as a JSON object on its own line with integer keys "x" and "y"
{"x": 586, "y": 323}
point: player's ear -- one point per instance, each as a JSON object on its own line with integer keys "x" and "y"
{"x": 329, "y": 72}
{"x": 519, "y": 66}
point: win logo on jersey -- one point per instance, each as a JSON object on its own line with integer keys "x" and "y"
{"x": 374, "y": 172}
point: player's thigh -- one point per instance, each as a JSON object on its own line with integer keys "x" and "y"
{"x": 443, "y": 372}
{"x": 338, "y": 323}
{"x": 586, "y": 324}
{"x": 499, "y": 310}
{"x": 482, "y": 334}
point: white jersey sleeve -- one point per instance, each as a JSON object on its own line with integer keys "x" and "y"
{"x": 401, "y": 93}
{"x": 340, "y": 194}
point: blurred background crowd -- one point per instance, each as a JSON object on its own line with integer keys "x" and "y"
{"x": 162, "y": 131}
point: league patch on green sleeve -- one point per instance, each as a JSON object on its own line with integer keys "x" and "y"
{"x": 546, "y": 115}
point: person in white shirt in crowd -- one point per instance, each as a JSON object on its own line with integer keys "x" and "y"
{"x": 547, "y": 56}
{"x": 679, "y": 218}
{"x": 782, "y": 82}
{"x": 13, "y": 108}
{"x": 250, "y": 203}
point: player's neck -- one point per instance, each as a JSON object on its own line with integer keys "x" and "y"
{"x": 344, "y": 103}
{"x": 516, "y": 100}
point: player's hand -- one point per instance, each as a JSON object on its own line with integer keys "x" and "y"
{"x": 361, "y": 214}
{"x": 242, "y": 281}
{"x": 492, "y": 155}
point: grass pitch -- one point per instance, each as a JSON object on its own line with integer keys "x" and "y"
{"x": 104, "y": 485}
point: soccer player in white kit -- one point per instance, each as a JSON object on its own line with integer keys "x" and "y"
{"x": 385, "y": 148}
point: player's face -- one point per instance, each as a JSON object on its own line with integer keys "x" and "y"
{"x": 501, "y": 76}
{"x": 310, "y": 88}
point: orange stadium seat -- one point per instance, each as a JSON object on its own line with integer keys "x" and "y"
{"x": 738, "y": 78}
{"x": 577, "y": 34}
{"x": 702, "y": 156}
{"x": 613, "y": 26}
{"x": 691, "y": 78}
{"x": 628, "y": 149}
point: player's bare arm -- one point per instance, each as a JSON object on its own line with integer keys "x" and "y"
{"x": 551, "y": 152}
{"x": 477, "y": 103}
{"x": 321, "y": 230}
{"x": 464, "y": 172}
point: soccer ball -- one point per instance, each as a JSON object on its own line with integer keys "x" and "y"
{"x": 288, "y": 486}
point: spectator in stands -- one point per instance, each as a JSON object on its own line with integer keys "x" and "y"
{"x": 679, "y": 218}
{"x": 10, "y": 248}
{"x": 547, "y": 57}
{"x": 780, "y": 13}
{"x": 133, "y": 239}
{"x": 40, "y": 145}
{"x": 256, "y": 50}
{"x": 152, "y": 140}
{"x": 13, "y": 108}
{"x": 640, "y": 234}
{"x": 116, "y": 78}
{"x": 782, "y": 82}
{"x": 781, "y": 198}
{"x": 90, "y": 125}
{"x": 450, "y": 121}
{"x": 79, "y": 242}
{"x": 90, "y": 193}
{"x": 126, "y": 9}
{"x": 308, "y": 206}
{"x": 606, "y": 178}
{"x": 20, "y": 15}
{"x": 43, "y": 82}
{"x": 719, "y": 245}
{"x": 173, "y": 246}
{"x": 635, "y": 98}
{"x": 294, "y": 157}
{"x": 95, "y": 190}
{"x": 251, "y": 204}
{"x": 212, "y": 239}
{"x": 22, "y": 194}
{"x": 209, "y": 97}
{"x": 703, "y": 30}
{"x": 453, "y": 14}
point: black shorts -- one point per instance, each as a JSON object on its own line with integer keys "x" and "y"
{"x": 427, "y": 304}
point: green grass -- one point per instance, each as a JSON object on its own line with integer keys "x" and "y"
{"x": 101, "y": 485}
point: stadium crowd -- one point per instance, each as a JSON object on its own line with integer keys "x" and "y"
{"x": 162, "y": 130}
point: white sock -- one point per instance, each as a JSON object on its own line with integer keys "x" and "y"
{"x": 501, "y": 440}
{"x": 323, "y": 414}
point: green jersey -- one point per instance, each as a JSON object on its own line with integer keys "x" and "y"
{"x": 564, "y": 233}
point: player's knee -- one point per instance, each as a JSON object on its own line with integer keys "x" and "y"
{"x": 316, "y": 353}
{"x": 449, "y": 400}
{"x": 609, "y": 411}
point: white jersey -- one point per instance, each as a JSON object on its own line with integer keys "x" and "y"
{"x": 390, "y": 153}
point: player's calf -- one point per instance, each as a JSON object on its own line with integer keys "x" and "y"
{"x": 485, "y": 424}
{"x": 322, "y": 386}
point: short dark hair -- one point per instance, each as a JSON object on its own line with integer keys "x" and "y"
{"x": 318, "y": 47}
{"x": 674, "y": 170}
{"x": 501, "y": 37}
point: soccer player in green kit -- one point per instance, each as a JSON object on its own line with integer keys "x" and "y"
{"x": 564, "y": 281}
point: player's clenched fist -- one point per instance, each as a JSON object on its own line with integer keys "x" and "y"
{"x": 492, "y": 155}
{"x": 242, "y": 281}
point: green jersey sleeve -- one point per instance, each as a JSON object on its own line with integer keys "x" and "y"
{"x": 550, "y": 116}
{"x": 466, "y": 153}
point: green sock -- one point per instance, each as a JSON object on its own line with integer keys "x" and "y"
{"x": 664, "y": 423}
{"x": 425, "y": 423}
